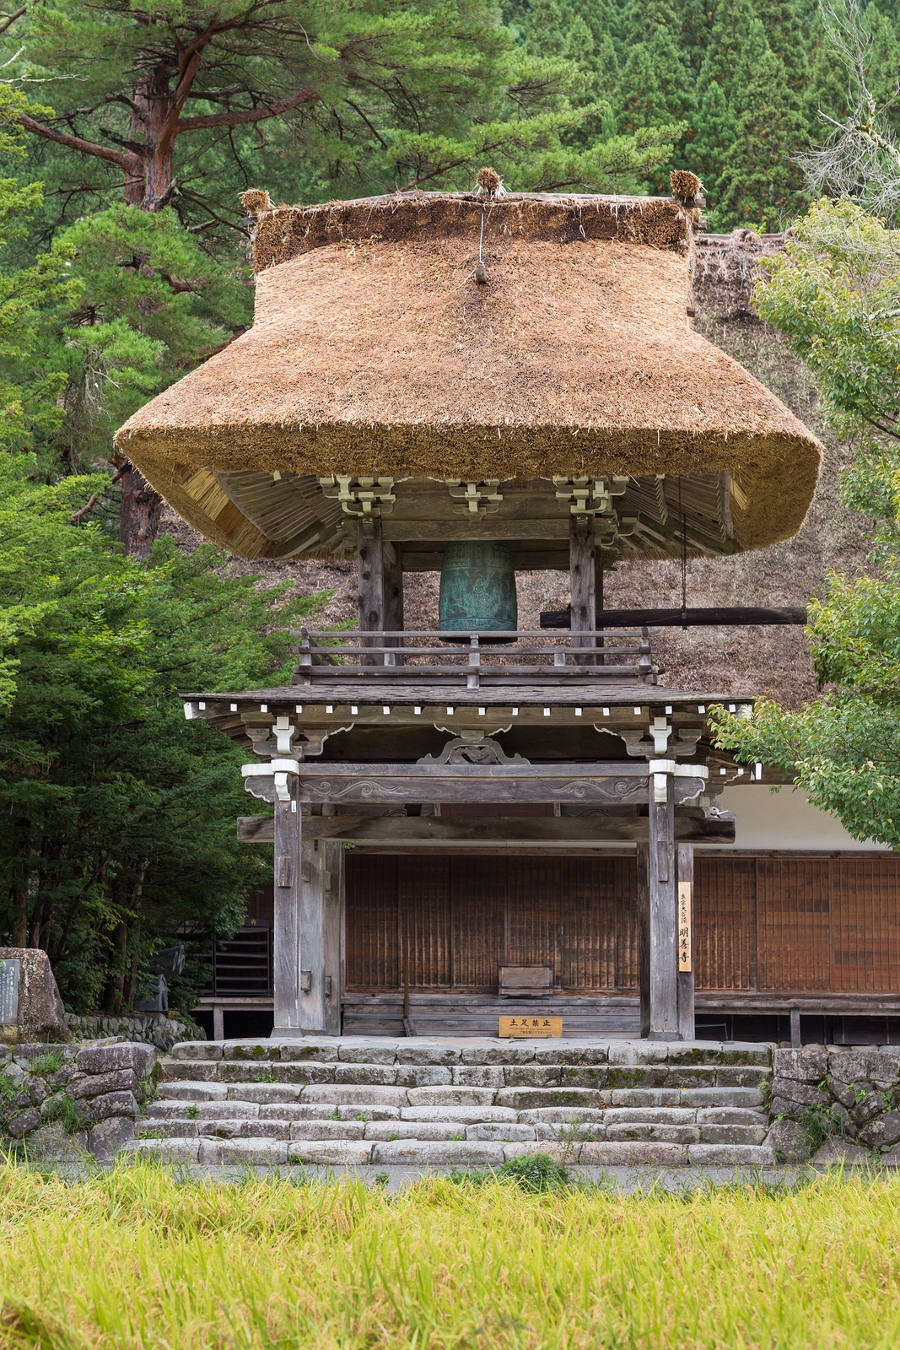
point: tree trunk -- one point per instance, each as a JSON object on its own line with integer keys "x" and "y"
{"x": 139, "y": 514}
{"x": 116, "y": 984}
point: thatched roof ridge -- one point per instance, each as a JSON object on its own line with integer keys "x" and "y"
{"x": 283, "y": 232}
{"x": 375, "y": 351}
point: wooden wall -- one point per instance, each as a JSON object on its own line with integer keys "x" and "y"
{"x": 765, "y": 923}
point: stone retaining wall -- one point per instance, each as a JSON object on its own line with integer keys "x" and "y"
{"x": 832, "y": 1104}
{"x": 157, "y": 1029}
{"x": 60, "y": 1101}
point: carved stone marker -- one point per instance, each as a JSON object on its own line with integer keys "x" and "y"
{"x": 9, "y": 998}
{"x": 39, "y": 1013}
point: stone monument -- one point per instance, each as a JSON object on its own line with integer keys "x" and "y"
{"x": 30, "y": 1006}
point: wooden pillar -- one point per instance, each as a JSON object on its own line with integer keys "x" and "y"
{"x": 370, "y": 557}
{"x": 657, "y": 924}
{"x": 286, "y": 926}
{"x": 685, "y": 921}
{"x": 320, "y": 937}
{"x": 582, "y": 578}
{"x": 393, "y": 598}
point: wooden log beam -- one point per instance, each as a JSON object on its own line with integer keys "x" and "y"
{"x": 498, "y": 833}
{"x": 392, "y": 573}
{"x": 370, "y": 563}
{"x": 582, "y": 571}
{"x": 715, "y": 616}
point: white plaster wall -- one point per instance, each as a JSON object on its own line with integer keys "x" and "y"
{"x": 783, "y": 820}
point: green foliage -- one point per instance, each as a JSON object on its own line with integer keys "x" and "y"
{"x": 834, "y": 293}
{"x": 73, "y": 1115}
{"x": 536, "y": 1175}
{"x": 116, "y": 816}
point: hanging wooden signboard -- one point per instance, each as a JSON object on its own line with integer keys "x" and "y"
{"x": 684, "y": 927}
{"x": 530, "y": 1027}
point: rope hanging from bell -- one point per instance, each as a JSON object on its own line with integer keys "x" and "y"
{"x": 490, "y": 187}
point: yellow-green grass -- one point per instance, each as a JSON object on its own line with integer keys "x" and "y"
{"x": 137, "y": 1258}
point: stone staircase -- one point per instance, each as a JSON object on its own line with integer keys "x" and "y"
{"x": 355, "y": 1102}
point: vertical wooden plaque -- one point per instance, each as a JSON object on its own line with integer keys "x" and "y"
{"x": 684, "y": 927}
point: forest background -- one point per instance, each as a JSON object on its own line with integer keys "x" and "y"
{"x": 127, "y": 134}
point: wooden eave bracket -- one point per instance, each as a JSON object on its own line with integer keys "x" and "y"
{"x": 479, "y": 498}
{"x": 360, "y": 498}
{"x": 270, "y": 782}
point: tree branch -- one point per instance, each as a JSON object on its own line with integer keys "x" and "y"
{"x": 248, "y": 116}
{"x": 127, "y": 161}
{"x": 11, "y": 18}
{"x": 78, "y": 516}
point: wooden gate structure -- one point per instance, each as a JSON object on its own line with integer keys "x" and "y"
{"x": 436, "y": 369}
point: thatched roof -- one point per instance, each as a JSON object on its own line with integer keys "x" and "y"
{"x": 375, "y": 351}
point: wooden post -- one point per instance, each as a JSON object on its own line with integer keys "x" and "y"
{"x": 286, "y": 926}
{"x": 582, "y": 577}
{"x": 685, "y": 920}
{"x": 370, "y": 557}
{"x": 320, "y": 913}
{"x": 659, "y": 988}
{"x": 643, "y": 933}
{"x": 393, "y": 598}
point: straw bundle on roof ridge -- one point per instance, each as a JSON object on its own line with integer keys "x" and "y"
{"x": 283, "y": 232}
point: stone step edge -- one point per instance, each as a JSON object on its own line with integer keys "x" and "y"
{"x": 424, "y": 1051}
{"x": 463, "y": 1153}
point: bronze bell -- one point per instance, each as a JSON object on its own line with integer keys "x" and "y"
{"x": 478, "y": 588}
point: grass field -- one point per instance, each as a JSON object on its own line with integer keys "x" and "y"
{"x": 137, "y": 1258}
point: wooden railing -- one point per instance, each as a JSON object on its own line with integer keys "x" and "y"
{"x": 615, "y": 656}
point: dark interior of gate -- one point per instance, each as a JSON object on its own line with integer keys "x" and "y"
{"x": 767, "y": 931}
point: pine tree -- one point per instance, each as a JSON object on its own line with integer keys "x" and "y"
{"x": 713, "y": 141}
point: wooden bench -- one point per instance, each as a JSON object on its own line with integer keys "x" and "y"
{"x": 524, "y": 981}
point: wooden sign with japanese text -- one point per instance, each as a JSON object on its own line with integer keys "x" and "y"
{"x": 530, "y": 1026}
{"x": 684, "y": 927}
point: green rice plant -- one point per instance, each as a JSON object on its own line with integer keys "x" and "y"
{"x": 267, "y": 1262}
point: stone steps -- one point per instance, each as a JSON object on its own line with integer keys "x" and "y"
{"x": 353, "y": 1102}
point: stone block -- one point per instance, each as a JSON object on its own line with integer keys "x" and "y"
{"x": 595, "y": 1075}
{"x": 638, "y": 1052}
{"x": 50, "y": 1143}
{"x": 165, "y": 1150}
{"x": 411, "y": 1053}
{"x": 563, "y": 1115}
{"x": 624, "y": 1153}
{"x": 646, "y": 1097}
{"x": 732, "y": 1134}
{"x": 884, "y": 1129}
{"x": 123, "y": 1055}
{"x": 250, "y": 1152}
{"x": 788, "y": 1141}
{"x": 742, "y": 1075}
{"x": 873, "y": 1104}
{"x": 322, "y": 1153}
{"x": 349, "y": 1094}
{"x": 481, "y": 1075}
{"x": 721, "y": 1096}
{"x": 192, "y": 1091}
{"x": 730, "y": 1155}
{"x": 323, "y": 1052}
{"x": 197, "y": 1050}
{"x": 730, "y": 1115}
{"x": 437, "y": 1153}
{"x": 507, "y": 1053}
{"x": 533, "y": 1075}
{"x": 21, "y": 1124}
{"x": 793, "y": 1090}
{"x": 736, "y": 1052}
{"x": 95, "y": 1085}
{"x": 265, "y": 1092}
{"x": 669, "y": 1134}
{"x": 285, "y": 1110}
{"x": 244, "y": 1129}
{"x": 33, "y": 1010}
{"x": 5, "y": 1055}
{"x": 114, "y": 1104}
{"x": 388, "y": 1130}
{"x": 385, "y": 1075}
{"x": 198, "y": 1070}
{"x": 328, "y": 1129}
{"x": 109, "y": 1136}
{"x": 368, "y": 1111}
{"x": 650, "y": 1115}
{"x": 571, "y": 1054}
{"x": 554, "y": 1150}
{"x": 469, "y": 1115}
{"x": 452, "y": 1096}
{"x": 501, "y": 1131}
{"x": 808, "y": 1065}
{"x": 36, "y": 1089}
{"x": 695, "y": 1075}
{"x": 423, "y": 1075}
{"x": 856, "y": 1066}
{"x": 836, "y": 1151}
{"x": 569, "y": 1134}
{"x": 368, "y": 1052}
{"x": 168, "y": 1129}
{"x": 525, "y": 1099}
